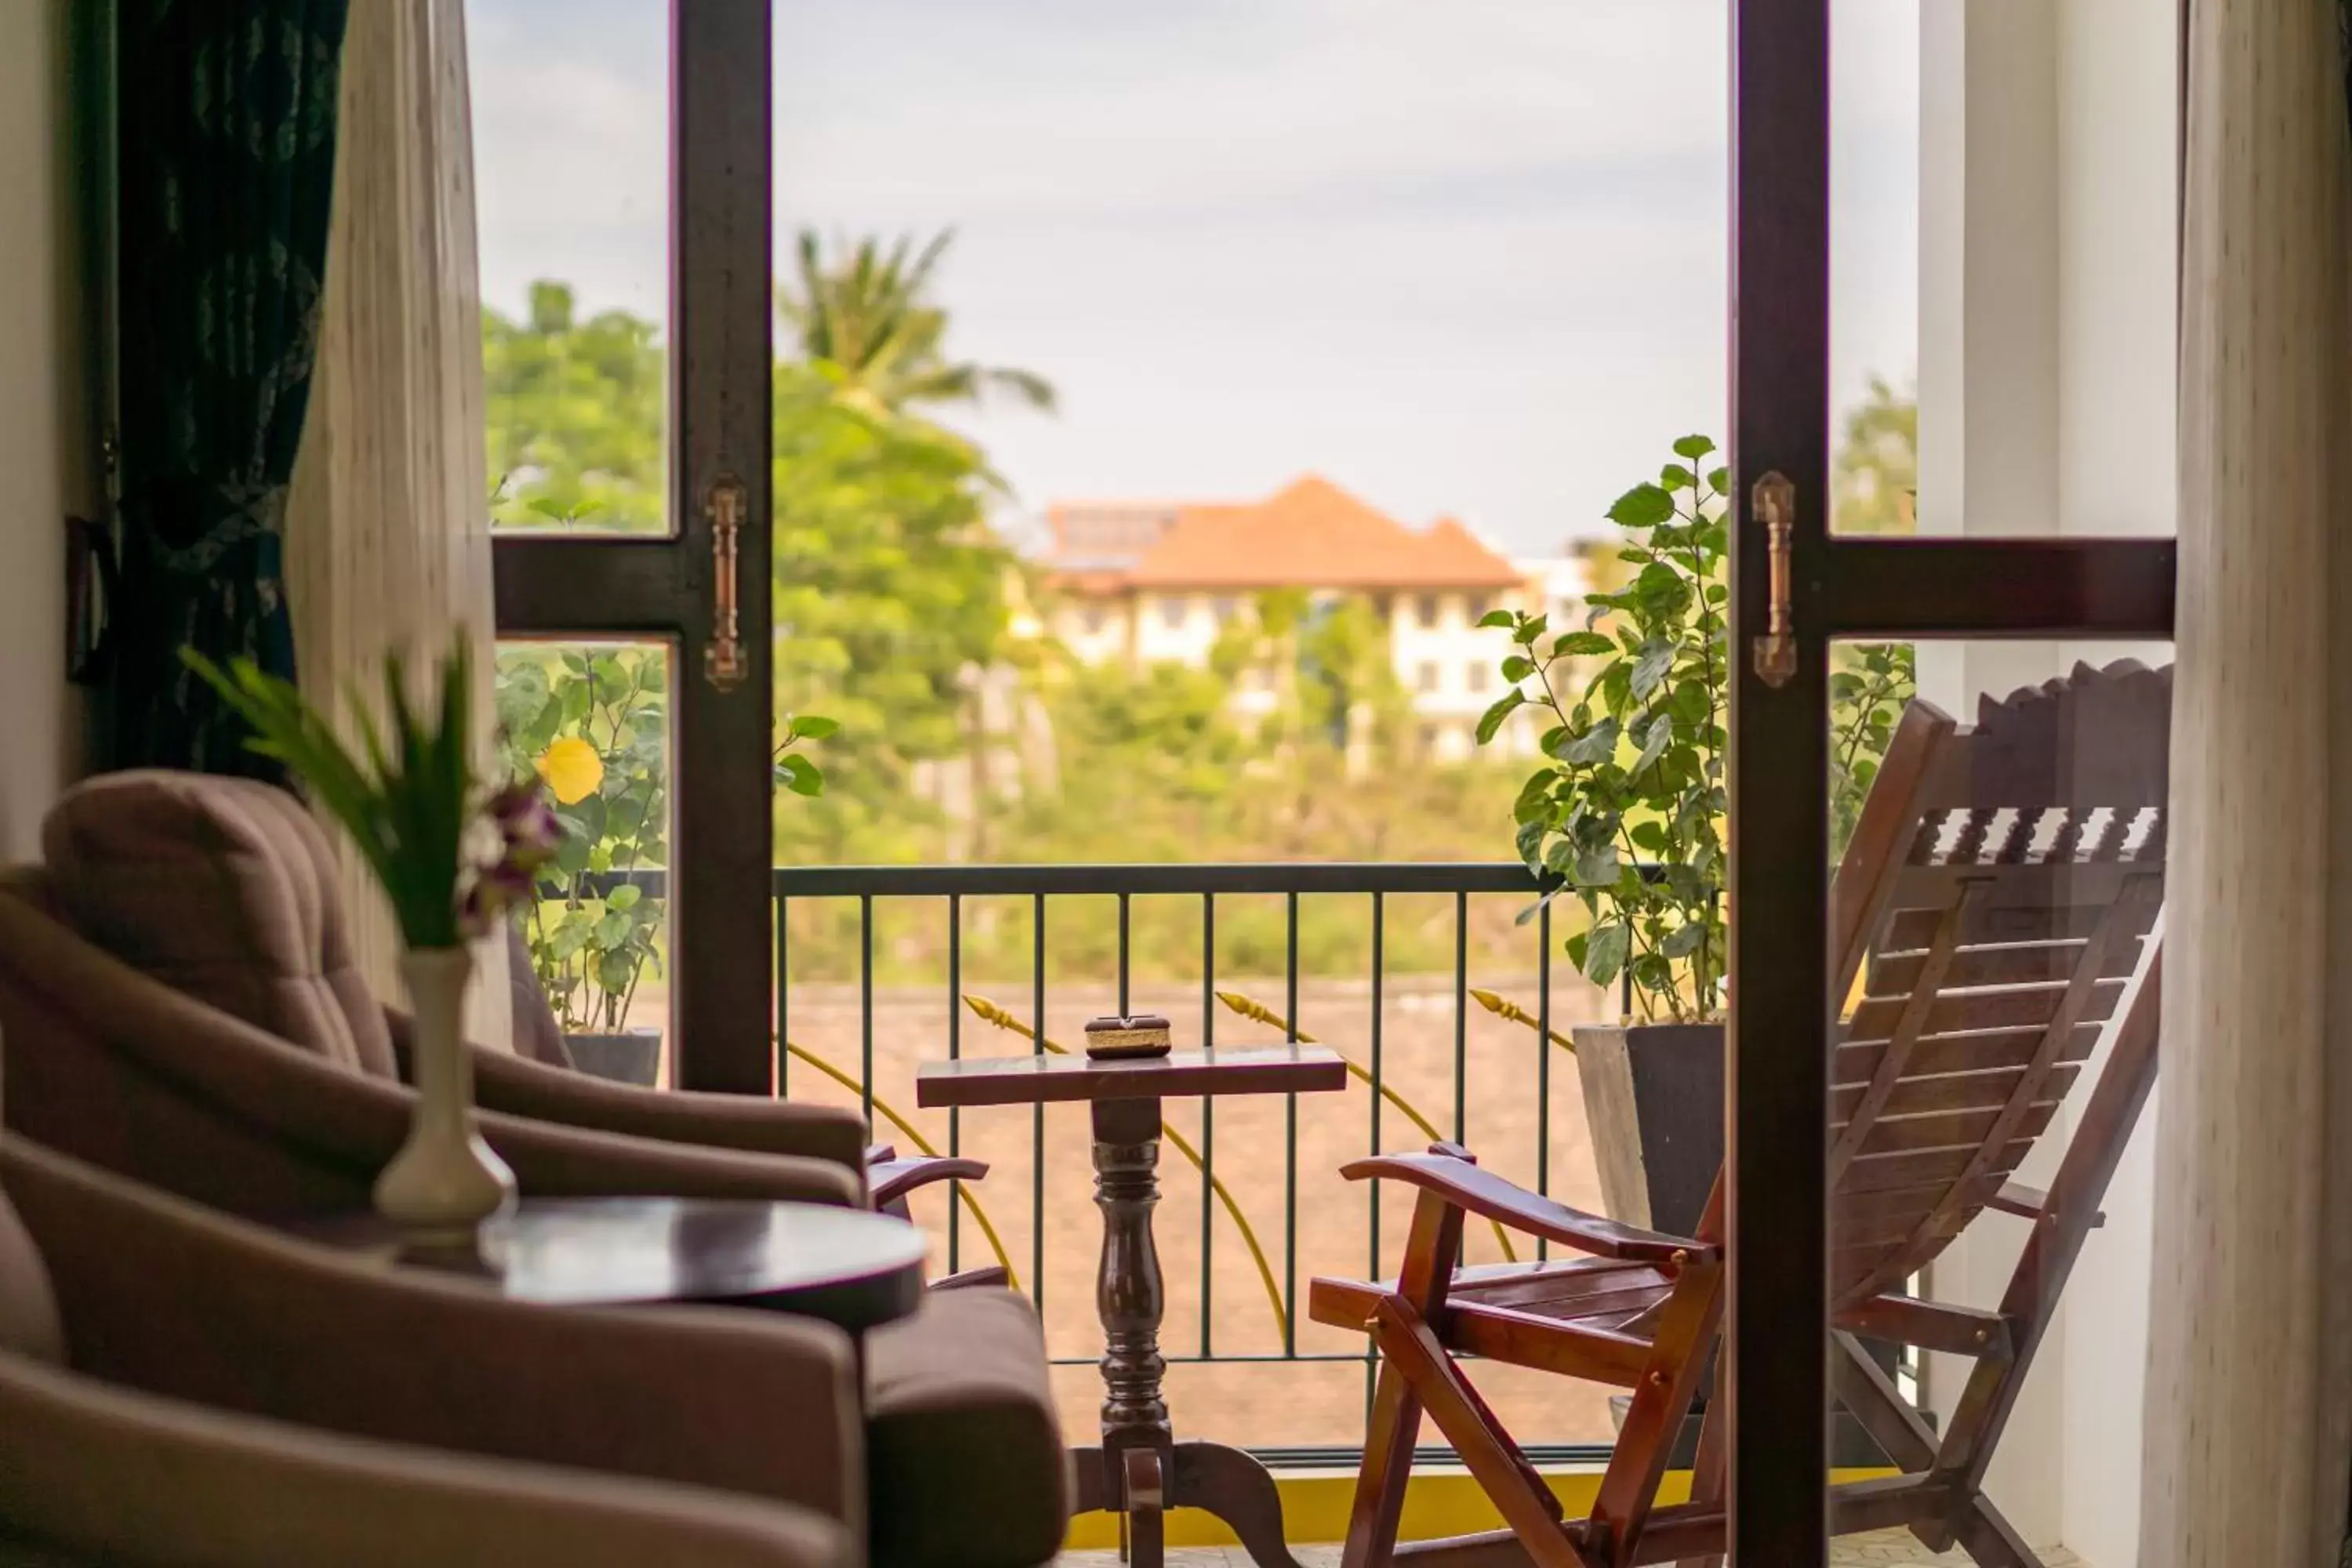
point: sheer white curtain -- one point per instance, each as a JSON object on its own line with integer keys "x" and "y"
{"x": 2249, "y": 1422}
{"x": 388, "y": 543}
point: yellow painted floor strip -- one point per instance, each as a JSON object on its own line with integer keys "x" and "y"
{"x": 1443, "y": 1502}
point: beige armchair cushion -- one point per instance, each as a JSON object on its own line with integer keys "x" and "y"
{"x": 223, "y": 889}
{"x": 963, "y": 1452}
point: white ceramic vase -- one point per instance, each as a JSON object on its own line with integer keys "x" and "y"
{"x": 445, "y": 1181}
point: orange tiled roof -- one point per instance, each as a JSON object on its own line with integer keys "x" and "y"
{"x": 1309, "y": 534}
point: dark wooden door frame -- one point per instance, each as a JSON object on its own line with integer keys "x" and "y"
{"x": 579, "y": 586}
{"x": 1777, "y": 1076}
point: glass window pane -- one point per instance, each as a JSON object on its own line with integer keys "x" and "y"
{"x": 2000, "y": 809}
{"x": 591, "y": 720}
{"x": 570, "y": 114}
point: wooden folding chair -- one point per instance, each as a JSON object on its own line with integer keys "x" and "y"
{"x": 2000, "y": 887}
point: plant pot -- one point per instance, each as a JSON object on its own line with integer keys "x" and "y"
{"x": 1653, "y": 1099}
{"x": 445, "y": 1181}
{"x": 632, "y": 1056}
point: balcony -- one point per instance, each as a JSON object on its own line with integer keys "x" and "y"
{"x": 1453, "y": 1017}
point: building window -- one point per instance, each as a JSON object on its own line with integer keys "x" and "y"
{"x": 1429, "y": 675}
{"x": 1091, "y": 619}
{"x": 1172, "y": 614}
{"x": 1425, "y": 611}
{"x": 1222, "y": 609}
{"x": 1474, "y": 608}
{"x": 1475, "y": 676}
{"x": 1428, "y": 739}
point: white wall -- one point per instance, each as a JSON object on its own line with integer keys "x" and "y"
{"x": 46, "y": 446}
{"x": 2047, "y": 396}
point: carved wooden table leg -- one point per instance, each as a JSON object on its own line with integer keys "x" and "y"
{"x": 1141, "y": 1470}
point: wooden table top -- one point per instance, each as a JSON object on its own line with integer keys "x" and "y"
{"x": 1027, "y": 1080}
{"x": 849, "y": 1266}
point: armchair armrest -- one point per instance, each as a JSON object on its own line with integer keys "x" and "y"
{"x": 891, "y": 1178}
{"x": 554, "y": 1160}
{"x": 173, "y": 1299}
{"x": 112, "y": 1475}
{"x": 523, "y": 1088}
{"x": 1484, "y": 1194}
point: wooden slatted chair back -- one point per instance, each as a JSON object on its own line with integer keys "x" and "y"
{"x": 1999, "y": 888}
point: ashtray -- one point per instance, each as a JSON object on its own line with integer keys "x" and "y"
{"x": 1145, "y": 1034}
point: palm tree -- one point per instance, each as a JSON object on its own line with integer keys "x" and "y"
{"x": 866, "y": 319}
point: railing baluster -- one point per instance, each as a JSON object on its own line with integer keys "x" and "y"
{"x": 784, "y": 994}
{"x": 955, "y": 1052}
{"x": 1380, "y": 962}
{"x": 1037, "y": 1112}
{"x": 1462, "y": 1018}
{"x": 1208, "y": 1113}
{"x": 1122, "y": 955}
{"x": 1543, "y": 1065}
{"x": 783, "y": 999}
{"x": 1290, "y": 1139}
{"x": 866, "y": 1008}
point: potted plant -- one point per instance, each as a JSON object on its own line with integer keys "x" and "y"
{"x": 592, "y": 723}
{"x": 1627, "y": 813}
{"x": 452, "y": 855}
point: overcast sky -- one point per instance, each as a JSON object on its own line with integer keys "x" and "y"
{"x": 1458, "y": 256}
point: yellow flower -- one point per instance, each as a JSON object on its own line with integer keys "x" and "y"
{"x": 571, "y": 769}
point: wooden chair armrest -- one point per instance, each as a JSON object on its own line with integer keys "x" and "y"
{"x": 2027, "y": 1203}
{"x": 1484, "y": 1194}
{"x": 892, "y": 1180}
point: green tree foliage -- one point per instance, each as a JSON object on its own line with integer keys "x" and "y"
{"x": 867, "y": 323}
{"x": 891, "y": 595}
{"x": 574, "y": 416}
{"x": 1878, "y": 463}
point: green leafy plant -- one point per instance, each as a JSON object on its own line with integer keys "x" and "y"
{"x": 1633, "y": 767}
{"x": 1869, "y": 685}
{"x": 1628, "y": 807}
{"x": 409, "y": 796}
{"x": 592, "y": 722}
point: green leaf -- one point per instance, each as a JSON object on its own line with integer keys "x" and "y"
{"x": 1660, "y": 734}
{"x": 1684, "y": 941}
{"x": 1490, "y": 721}
{"x": 1519, "y": 666}
{"x": 1650, "y": 670}
{"x": 1596, "y": 867}
{"x": 1581, "y": 644}
{"x": 1529, "y": 842}
{"x": 1694, "y": 448}
{"x": 623, "y": 897}
{"x": 1597, "y": 744}
{"x": 813, "y": 726}
{"x": 1497, "y": 618}
{"x": 1644, "y": 506}
{"x": 1605, "y": 952}
{"x": 800, "y": 775}
{"x": 1674, "y": 477}
{"x": 1718, "y": 479}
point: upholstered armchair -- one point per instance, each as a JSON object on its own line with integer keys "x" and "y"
{"x": 150, "y": 1348}
{"x": 179, "y": 976}
{"x": 155, "y": 1409}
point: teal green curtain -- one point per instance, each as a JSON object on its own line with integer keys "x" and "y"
{"x": 226, "y": 158}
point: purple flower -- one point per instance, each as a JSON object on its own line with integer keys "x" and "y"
{"x": 527, "y": 824}
{"x": 494, "y": 890}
